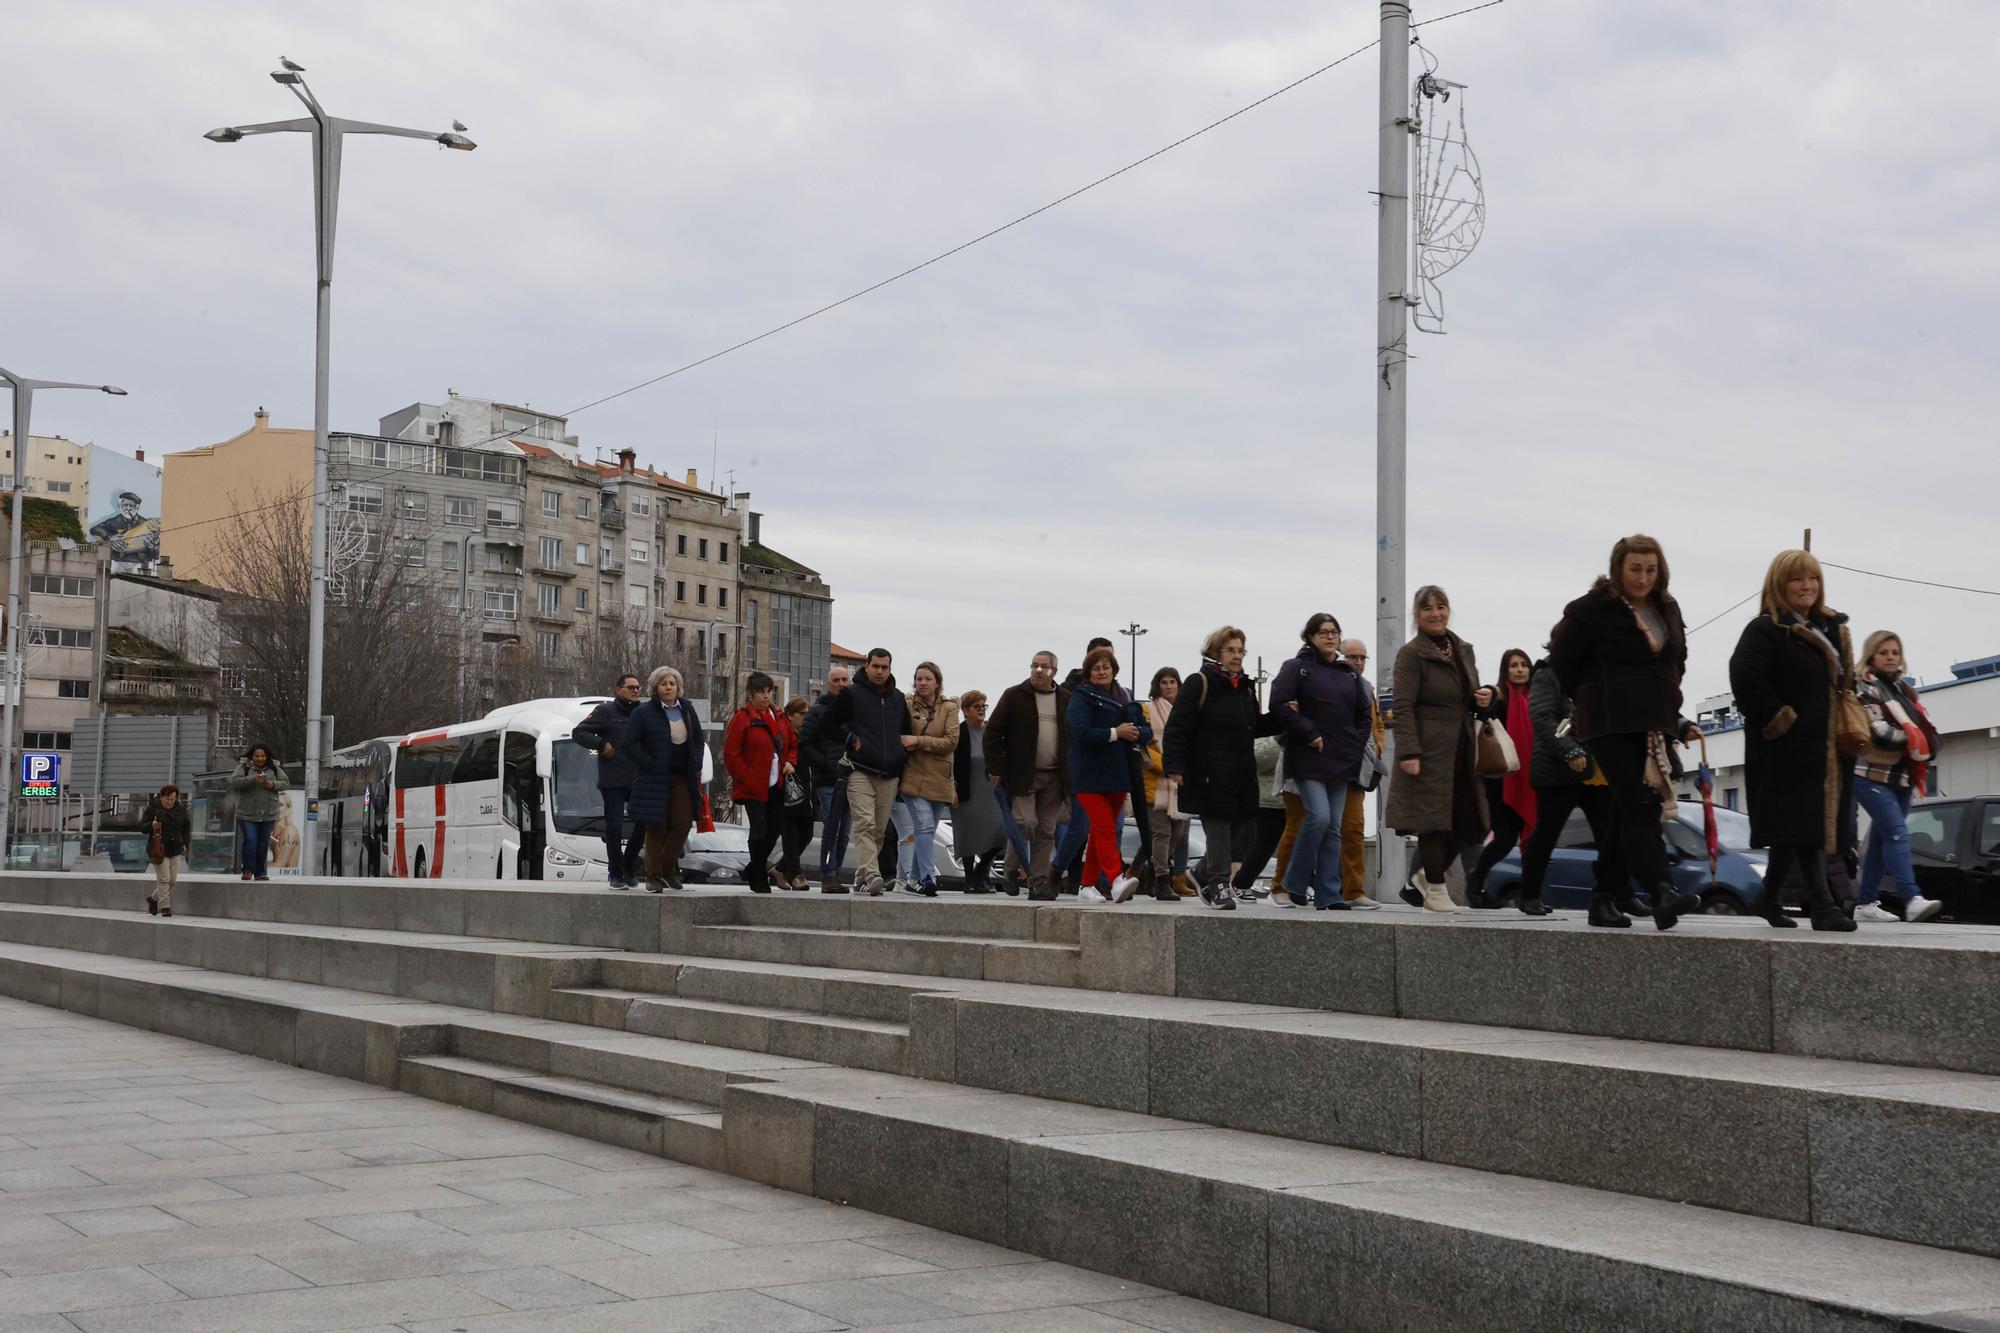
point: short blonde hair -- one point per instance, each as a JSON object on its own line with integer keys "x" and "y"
{"x": 1786, "y": 566}
{"x": 1212, "y": 646}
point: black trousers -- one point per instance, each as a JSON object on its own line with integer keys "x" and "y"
{"x": 1265, "y": 831}
{"x": 1436, "y": 852}
{"x": 1507, "y": 827}
{"x": 763, "y": 837}
{"x": 1553, "y": 806}
{"x": 1810, "y": 862}
{"x": 797, "y": 832}
{"x": 1635, "y": 806}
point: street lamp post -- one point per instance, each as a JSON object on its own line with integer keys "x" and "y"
{"x": 24, "y": 410}
{"x": 1132, "y": 632}
{"x": 327, "y": 132}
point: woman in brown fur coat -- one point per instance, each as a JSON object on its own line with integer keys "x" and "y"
{"x": 1787, "y": 672}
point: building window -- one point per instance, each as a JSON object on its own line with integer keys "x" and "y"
{"x": 583, "y": 506}
{"x": 450, "y": 549}
{"x": 701, "y": 594}
{"x": 503, "y": 603}
{"x": 453, "y": 600}
{"x": 722, "y": 598}
{"x": 58, "y": 488}
{"x": 551, "y": 552}
{"x": 45, "y": 740}
{"x": 413, "y": 504}
{"x": 459, "y": 509}
{"x": 721, "y": 644}
{"x": 72, "y": 689}
{"x": 680, "y": 590}
{"x": 750, "y": 633}
{"x": 548, "y": 643}
{"x": 410, "y": 552}
{"x": 681, "y": 544}
{"x": 583, "y": 599}
{"x": 369, "y": 545}
{"x": 641, "y": 505}
{"x": 482, "y": 466}
{"x": 548, "y": 599}
{"x": 503, "y": 559}
{"x": 503, "y": 513}
{"x": 583, "y": 553}
{"x": 704, "y": 548}
{"x": 680, "y": 638}
{"x": 61, "y": 585}
{"x": 722, "y": 552}
{"x": 636, "y": 595}
{"x": 364, "y": 499}
{"x": 551, "y": 504}
{"x": 640, "y": 552}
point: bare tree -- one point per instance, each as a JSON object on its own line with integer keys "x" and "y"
{"x": 393, "y": 648}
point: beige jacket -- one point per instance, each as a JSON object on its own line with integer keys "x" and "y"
{"x": 928, "y": 773}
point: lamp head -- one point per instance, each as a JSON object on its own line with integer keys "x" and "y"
{"x": 287, "y": 76}
{"x": 223, "y": 135}
{"x": 458, "y": 141}
{"x": 113, "y": 390}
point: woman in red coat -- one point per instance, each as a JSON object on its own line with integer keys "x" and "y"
{"x": 760, "y": 751}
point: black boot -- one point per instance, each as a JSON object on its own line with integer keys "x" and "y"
{"x": 1832, "y": 918}
{"x": 1410, "y": 893}
{"x": 1670, "y": 904}
{"x": 1604, "y": 912}
{"x": 1774, "y": 913}
{"x": 1635, "y": 904}
{"x": 1534, "y": 907}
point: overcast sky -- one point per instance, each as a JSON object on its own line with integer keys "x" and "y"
{"x": 1740, "y": 266}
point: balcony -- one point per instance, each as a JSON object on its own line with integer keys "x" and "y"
{"x": 610, "y": 564}
{"x": 611, "y": 517}
{"x": 160, "y": 691}
{"x": 557, "y": 569}
{"x": 551, "y": 616}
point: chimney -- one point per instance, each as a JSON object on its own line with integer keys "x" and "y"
{"x": 626, "y": 458}
{"x": 163, "y": 568}
{"x": 139, "y": 455}
{"x": 755, "y": 533}
{"x": 693, "y": 479}
{"x": 263, "y": 419}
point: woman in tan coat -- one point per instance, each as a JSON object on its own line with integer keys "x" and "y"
{"x": 1435, "y": 793}
{"x": 929, "y": 788}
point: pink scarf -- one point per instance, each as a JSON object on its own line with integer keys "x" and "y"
{"x": 1516, "y": 788}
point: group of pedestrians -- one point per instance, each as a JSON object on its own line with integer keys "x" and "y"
{"x": 1041, "y": 786}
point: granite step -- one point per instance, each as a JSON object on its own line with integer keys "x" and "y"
{"x": 860, "y": 1043}
{"x": 1034, "y": 962}
{"x": 685, "y": 1131}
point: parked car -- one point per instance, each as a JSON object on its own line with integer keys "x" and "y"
{"x": 718, "y": 857}
{"x": 1735, "y": 888}
{"x": 1955, "y": 850}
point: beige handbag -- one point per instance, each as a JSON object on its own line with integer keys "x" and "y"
{"x": 1497, "y": 756}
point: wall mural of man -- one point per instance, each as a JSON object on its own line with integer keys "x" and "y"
{"x": 133, "y": 538}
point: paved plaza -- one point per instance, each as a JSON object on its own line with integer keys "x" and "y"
{"x": 154, "y": 1185}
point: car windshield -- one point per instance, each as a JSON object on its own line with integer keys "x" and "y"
{"x": 579, "y": 809}
{"x": 1732, "y": 826}
{"x": 725, "y": 838}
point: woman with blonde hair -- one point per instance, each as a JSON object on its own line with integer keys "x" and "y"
{"x": 1789, "y": 670}
{"x": 928, "y": 790}
{"x": 1210, "y": 751}
{"x": 663, "y": 741}
{"x": 1895, "y": 766}
{"x": 1619, "y": 652}
{"x": 1435, "y": 794}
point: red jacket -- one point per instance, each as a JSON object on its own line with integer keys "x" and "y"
{"x": 747, "y": 748}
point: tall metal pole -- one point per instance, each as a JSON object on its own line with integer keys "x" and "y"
{"x": 1392, "y": 327}
{"x": 326, "y": 207}
{"x": 24, "y": 398}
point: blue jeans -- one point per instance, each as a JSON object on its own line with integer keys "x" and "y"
{"x": 916, "y": 821}
{"x": 256, "y": 843}
{"x": 833, "y": 825}
{"x": 1318, "y": 845}
{"x": 1888, "y": 841}
{"x": 621, "y": 845}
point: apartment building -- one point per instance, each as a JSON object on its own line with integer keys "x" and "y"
{"x": 787, "y": 614}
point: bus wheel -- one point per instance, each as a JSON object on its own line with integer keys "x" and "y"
{"x": 417, "y": 866}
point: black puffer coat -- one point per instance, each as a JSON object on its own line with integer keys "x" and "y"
{"x": 820, "y": 744}
{"x": 606, "y": 726}
{"x": 649, "y": 743}
{"x": 1548, "y": 762}
{"x": 1333, "y": 709}
{"x": 1785, "y": 677}
{"x": 1211, "y": 743}
{"x": 1620, "y": 685}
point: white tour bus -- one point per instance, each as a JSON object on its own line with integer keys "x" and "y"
{"x": 509, "y": 796}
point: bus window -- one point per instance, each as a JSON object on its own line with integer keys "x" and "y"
{"x": 427, "y": 763}
{"x": 480, "y": 760}
{"x": 520, "y": 788}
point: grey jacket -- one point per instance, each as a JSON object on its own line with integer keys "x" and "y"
{"x": 255, "y": 800}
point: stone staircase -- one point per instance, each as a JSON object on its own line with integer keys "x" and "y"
{"x": 1389, "y": 1121}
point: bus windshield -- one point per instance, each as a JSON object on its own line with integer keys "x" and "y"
{"x": 578, "y": 807}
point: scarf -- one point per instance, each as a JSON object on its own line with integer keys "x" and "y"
{"x": 1917, "y": 732}
{"x": 1515, "y": 788}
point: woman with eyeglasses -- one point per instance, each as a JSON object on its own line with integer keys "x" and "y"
{"x": 977, "y": 833}
{"x": 1318, "y": 699}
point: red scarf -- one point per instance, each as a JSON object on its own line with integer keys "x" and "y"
{"x": 1516, "y": 788}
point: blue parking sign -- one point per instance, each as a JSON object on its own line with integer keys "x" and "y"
{"x": 41, "y": 776}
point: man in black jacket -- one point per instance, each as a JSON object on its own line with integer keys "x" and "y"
{"x": 820, "y": 747}
{"x": 602, "y": 733}
{"x": 876, "y": 719}
{"x": 1027, "y": 744}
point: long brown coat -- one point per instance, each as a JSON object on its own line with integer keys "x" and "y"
{"x": 1433, "y": 722}
{"x": 929, "y": 771}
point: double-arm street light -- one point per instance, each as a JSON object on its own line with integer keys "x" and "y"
{"x": 24, "y": 407}
{"x": 327, "y": 132}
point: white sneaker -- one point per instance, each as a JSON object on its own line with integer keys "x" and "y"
{"x": 1123, "y": 888}
{"x": 1363, "y": 904}
{"x": 1088, "y": 894}
{"x": 1874, "y": 912}
{"x": 1280, "y": 898}
{"x": 1919, "y": 908}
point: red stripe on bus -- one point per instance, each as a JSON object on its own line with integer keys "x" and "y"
{"x": 426, "y": 736}
{"x": 402, "y": 868}
{"x": 437, "y": 855}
